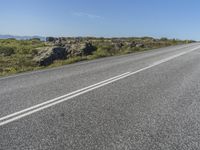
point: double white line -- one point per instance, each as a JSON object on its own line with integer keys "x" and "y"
{"x": 23, "y": 113}
{"x": 20, "y": 114}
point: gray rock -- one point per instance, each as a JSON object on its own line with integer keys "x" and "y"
{"x": 79, "y": 49}
{"x": 139, "y": 45}
{"x": 47, "y": 55}
{"x": 50, "y": 39}
{"x": 132, "y": 44}
{"x": 117, "y": 46}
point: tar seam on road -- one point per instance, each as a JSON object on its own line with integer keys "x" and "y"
{"x": 23, "y": 113}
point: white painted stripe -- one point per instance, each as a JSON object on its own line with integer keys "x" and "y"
{"x": 18, "y": 115}
{"x": 61, "y": 97}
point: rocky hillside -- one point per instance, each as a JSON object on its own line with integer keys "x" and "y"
{"x": 26, "y": 55}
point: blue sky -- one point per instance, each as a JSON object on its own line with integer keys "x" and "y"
{"x": 109, "y": 18}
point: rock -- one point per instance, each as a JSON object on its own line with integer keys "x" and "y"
{"x": 88, "y": 48}
{"x": 79, "y": 49}
{"x": 50, "y": 39}
{"x": 132, "y": 44}
{"x": 139, "y": 45}
{"x": 117, "y": 46}
{"x": 47, "y": 55}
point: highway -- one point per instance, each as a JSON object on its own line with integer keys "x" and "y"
{"x": 141, "y": 101}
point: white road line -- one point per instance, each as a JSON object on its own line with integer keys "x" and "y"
{"x": 58, "y": 98}
{"x": 18, "y": 115}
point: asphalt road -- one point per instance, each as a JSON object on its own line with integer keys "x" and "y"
{"x": 144, "y": 101}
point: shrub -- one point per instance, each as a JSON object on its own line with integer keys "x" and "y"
{"x": 6, "y": 51}
{"x": 101, "y": 52}
{"x": 164, "y": 39}
{"x": 50, "y": 39}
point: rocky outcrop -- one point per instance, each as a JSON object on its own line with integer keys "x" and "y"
{"x": 140, "y": 45}
{"x": 47, "y": 55}
{"x": 79, "y": 49}
{"x": 50, "y": 39}
{"x": 117, "y": 46}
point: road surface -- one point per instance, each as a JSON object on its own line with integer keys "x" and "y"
{"x": 144, "y": 101}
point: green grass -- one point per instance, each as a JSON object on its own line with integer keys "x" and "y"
{"x": 16, "y": 55}
{"x": 67, "y": 61}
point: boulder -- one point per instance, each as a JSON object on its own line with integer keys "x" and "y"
{"x": 50, "y": 39}
{"x": 117, "y": 46}
{"x": 79, "y": 49}
{"x": 139, "y": 45}
{"x": 88, "y": 48}
{"x": 47, "y": 55}
{"x": 132, "y": 44}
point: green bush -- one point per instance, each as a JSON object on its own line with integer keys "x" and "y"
{"x": 6, "y": 50}
{"x": 101, "y": 52}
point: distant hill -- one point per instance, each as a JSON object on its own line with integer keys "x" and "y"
{"x": 22, "y": 37}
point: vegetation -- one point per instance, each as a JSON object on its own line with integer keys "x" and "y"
{"x": 16, "y": 56}
{"x": 19, "y": 55}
